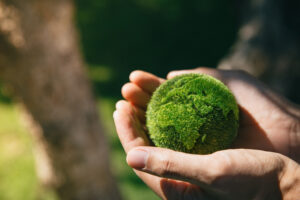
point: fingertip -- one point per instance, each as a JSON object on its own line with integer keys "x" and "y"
{"x": 125, "y": 89}
{"x": 172, "y": 74}
{"x": 199, "y": 70}
{"x": 135, "y": 74}
{"x": 135, "y": 95}
{"x": 137, "y": 158}
{"x": 120, "y": 104}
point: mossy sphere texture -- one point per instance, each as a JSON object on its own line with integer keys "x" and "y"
{"x": 192, "y": 113}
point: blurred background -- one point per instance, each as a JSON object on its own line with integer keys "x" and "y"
{"x": 118, "y": 36}
{"x": 111, "y": 38}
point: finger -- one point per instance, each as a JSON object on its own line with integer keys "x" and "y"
{"x": 154, "y": 182}
{"x": 135, "y": 95}
{"x": 164, "y": 163}
{"x": 201, "y": 70}
{"x": 148, "y": 82}
{"x": 171, "y": 189}
{"x": 216, "y": 173}
{"x": 129, "y": 130}
{"x": 178, "y": 190}
{"x": 130, "y": 137}
{"x": 171, "y": 164}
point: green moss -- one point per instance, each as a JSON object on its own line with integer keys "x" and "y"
{"x": 193, "y": 113}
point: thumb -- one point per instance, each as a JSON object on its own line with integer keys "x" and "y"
{"x": 228, "y": 173}
{"x": 166, "y": 163}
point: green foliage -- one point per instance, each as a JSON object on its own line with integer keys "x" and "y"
{"x": 154, "y": 35}
{"x": 4, "y": 93}
{"x": 18, "y": 178}
{"x": 193, "y": 113}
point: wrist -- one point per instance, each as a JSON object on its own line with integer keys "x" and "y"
{"x": 289, "y": 179}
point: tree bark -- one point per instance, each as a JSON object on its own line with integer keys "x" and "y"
{"x": 268, "y": 44}
{"x": 41, "y": 62}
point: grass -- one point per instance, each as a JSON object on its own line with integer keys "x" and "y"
{"x": 18, "y": 180}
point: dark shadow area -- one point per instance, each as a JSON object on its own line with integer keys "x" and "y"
{"x": 236, "y": 187}
{"x": 157, "y": 36}
{"x": 250, "y": 134}
{"x": 173, "y": 189}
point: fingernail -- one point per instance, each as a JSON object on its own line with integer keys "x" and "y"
{"x": 137, "y": 158}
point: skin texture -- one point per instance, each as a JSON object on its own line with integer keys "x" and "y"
{"x": 261, "y": 165}
{"x": 192, "y": 113}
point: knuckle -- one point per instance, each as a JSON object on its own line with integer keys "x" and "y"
{"x": 165, "y": 166}
{"x": 215, "y": 176}
{"x": 221, "y": 168}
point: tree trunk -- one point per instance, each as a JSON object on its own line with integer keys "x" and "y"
{"x": 40, "y": 61}
{"x": 268, "y": 44}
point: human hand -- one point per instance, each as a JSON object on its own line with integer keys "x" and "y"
{"x": 229, "y": 174}
{"x": 267, "y": 121}
{"x": 130, "y": 120}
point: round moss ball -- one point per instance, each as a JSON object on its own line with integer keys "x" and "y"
{"x": 192, "y": 113}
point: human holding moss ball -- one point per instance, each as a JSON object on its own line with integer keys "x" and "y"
{"x": 192, "y": 113}
{"x": 262, "y": 162}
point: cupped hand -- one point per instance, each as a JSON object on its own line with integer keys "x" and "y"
{"x": 261, "y": 114}
{"x": 267, "y": 121}
{"x": 229, "y": 174}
